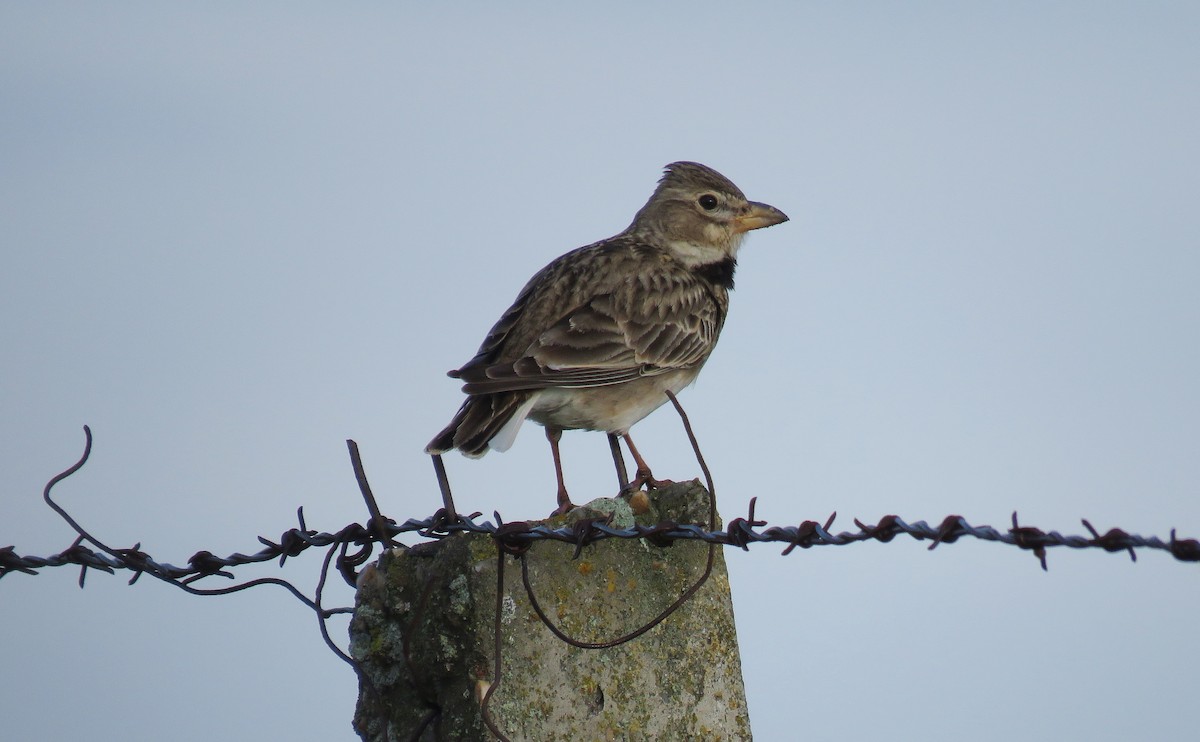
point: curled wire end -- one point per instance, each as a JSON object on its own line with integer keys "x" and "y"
{"x": 87, "y": 452}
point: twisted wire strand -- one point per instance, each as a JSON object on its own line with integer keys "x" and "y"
{"x": 88, "y": 552}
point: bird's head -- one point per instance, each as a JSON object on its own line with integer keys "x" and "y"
{"x": 700, "y": 215}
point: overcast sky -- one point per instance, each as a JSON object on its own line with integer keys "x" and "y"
{"x": 235, "y": 235}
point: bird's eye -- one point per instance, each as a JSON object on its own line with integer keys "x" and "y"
{"x": 708, "y": 202}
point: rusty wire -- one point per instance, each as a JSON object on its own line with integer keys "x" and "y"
{"x": 515, "y": 538}
{"x": 740, "y": 532}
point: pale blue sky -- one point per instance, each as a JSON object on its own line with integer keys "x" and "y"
{"x": 235, "y": 235}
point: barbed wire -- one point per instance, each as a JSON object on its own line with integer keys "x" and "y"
{"x": 354, "y": 544}
{"x": 740, "y": 532}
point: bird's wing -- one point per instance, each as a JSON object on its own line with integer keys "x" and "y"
{"x": 653, "y": 322}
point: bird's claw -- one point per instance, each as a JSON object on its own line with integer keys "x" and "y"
{"x": 645, "y": 479}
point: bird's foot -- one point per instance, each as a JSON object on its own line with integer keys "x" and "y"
{"x": 645, "y": 478}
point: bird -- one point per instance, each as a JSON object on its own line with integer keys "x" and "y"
{"x": 596, "y": 339}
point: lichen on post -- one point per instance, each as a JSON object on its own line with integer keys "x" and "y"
{"x": 424, "y": 631}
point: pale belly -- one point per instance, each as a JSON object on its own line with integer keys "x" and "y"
{"x": 613, "y": 409}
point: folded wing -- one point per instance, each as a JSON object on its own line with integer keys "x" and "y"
{"x": 650, "y": 324}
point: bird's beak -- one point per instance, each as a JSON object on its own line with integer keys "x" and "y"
{"x": 759, "y": 216}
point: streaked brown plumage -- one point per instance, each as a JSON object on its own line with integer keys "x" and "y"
{"x": 596, "y": 337}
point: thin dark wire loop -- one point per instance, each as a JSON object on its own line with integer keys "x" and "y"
{"x": 683, "y": 597}
{"x": 87, "y": 453}
{"x": 497, "y": 664}
{"x": 708, "y": 479}
{"x": 145, "y": 566}
{"x": 662, "y": 616}
{"x": 323, "y": 617}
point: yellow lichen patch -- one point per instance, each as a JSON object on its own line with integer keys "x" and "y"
{"x": 611, "y": 585}
{"x": 639, "y": 503}
{"x": 585, "y": 568}
{"x": 481, "y": 689}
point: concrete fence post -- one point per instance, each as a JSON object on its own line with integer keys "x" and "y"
{"x": 424, "y": 635}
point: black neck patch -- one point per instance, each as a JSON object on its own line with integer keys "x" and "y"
{"x": 719, "y": 273}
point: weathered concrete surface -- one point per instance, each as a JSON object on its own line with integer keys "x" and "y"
{"x": 680, "y": 681}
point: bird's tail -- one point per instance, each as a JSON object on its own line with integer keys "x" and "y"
{"x": 484, "y": 421}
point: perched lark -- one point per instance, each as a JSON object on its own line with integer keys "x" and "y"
{"x": 598, "y": 336}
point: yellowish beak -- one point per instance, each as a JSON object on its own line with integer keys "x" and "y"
{"x": 759, "y": 216}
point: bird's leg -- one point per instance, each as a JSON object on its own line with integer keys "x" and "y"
{"x": 553, "y": 434}
{"x": 643, "y": 474}
{"x": 614, "y": 444}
